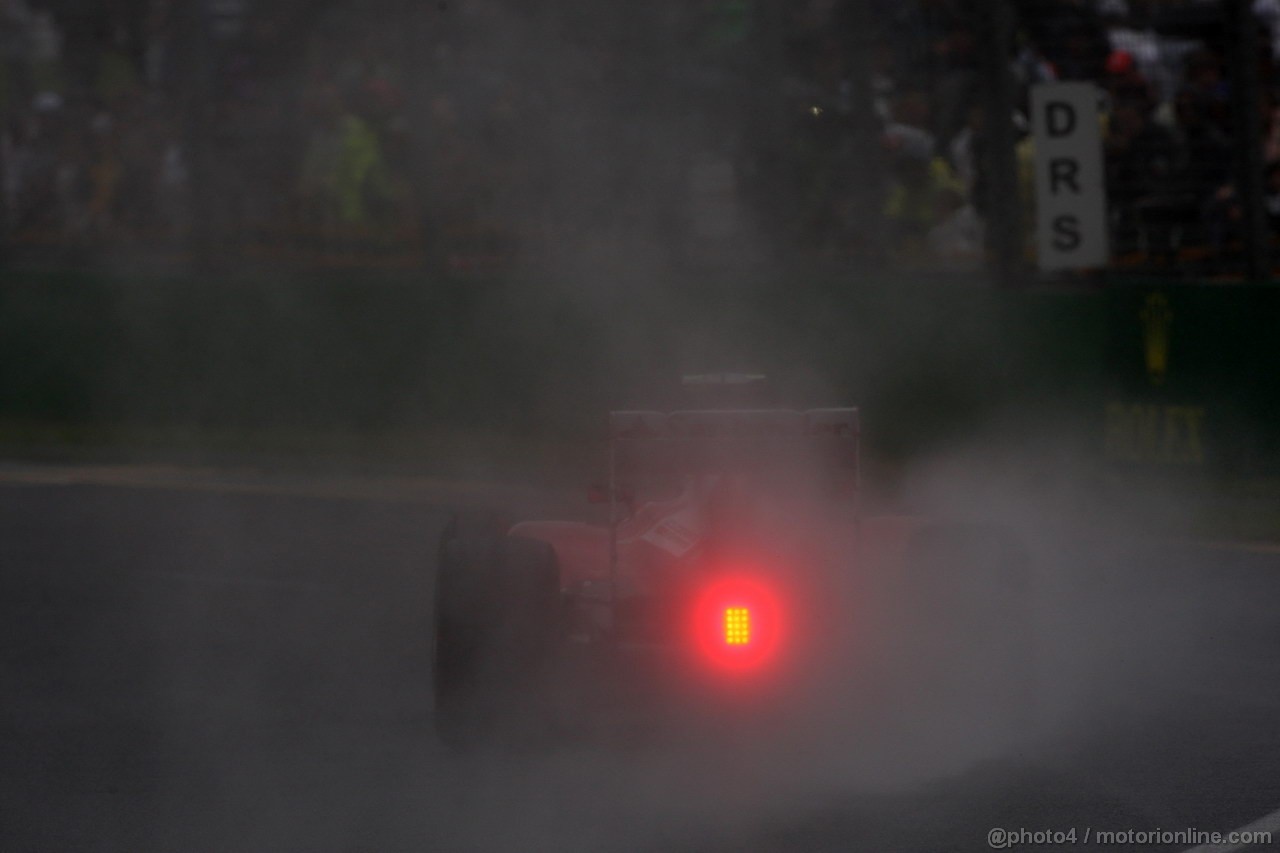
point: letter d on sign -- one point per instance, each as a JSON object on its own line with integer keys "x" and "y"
{"x": 1059, "y": 118}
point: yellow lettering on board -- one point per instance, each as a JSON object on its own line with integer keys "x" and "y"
{"x": 1152, "y": 433}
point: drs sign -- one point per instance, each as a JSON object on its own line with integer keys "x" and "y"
{"x": 1071, "y": 202}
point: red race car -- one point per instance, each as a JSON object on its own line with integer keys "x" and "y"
{"x": 733, "y": 578}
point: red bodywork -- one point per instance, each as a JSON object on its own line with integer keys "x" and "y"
{"x": 725, "y": 572}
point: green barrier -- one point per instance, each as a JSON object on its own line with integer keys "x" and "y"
{"x": 339, "y": 352}
{"x": 1167, "y": 378}
{"x": 1192, "y": 377}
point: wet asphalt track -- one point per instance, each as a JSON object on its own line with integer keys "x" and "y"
{"x": 192, "y": 670}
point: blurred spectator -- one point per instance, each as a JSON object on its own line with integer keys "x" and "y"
{"x": 956, "y": 76}
{"x": 919, "y": 192}
{"x": 1204, "y": 153}
{"x": 1140, "y": 160}
{"x": 158, "y": 47}
{"x": 1205, "y": 79}
{"x": 1268, "y": 12}
{"x": 317, "y": 181}
{"x": 45, "y": 54}
{"x": 907, "y": 133}
{"x": 117, "y": 78}
{"x": 965, "y": 150}
{"x": 1157, "y": 56}
{"x": 960, "y": 233}
{"x": 172, "y": 180}
{"x": 103, "y": 179}
{"x": 920, "y": 182}
{"x": 1125, "y": 83}
{"x": 231, "y": 146}
{"x": 324, "y": 161}
{"x": 1070, "y": 33}
{"x": 1224, "y": 212}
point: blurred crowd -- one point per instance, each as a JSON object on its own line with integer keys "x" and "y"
{"x": 134, "y": 122}
{"x": 1167, "y": 115}
{"x": 84, "y": 150}
{"x": 463, "y": 129}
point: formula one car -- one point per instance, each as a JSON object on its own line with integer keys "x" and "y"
{"x": 732, "y": 575}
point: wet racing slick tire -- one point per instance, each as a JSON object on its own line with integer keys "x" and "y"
{"x": 495, "y": 622}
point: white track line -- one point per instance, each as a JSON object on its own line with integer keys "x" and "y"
{"x": 1270, "y": 823}
{"x": 239, "y": 580}
{"x": 168, "y": 478}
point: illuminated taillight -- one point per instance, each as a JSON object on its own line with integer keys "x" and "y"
{"x": 737, "y": 626}
{"x": 737, "y": 622}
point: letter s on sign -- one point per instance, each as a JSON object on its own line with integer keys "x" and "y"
{"x": 1066, "y": 232}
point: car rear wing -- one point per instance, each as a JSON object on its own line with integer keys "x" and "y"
{"x": 828, "y": 436}
{"x": 831, "y": 436}
{"x": 734, "y": 423}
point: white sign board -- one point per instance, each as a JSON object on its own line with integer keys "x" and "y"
{"x": 1071, "y": 197}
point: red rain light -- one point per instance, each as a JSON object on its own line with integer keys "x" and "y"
{"x": 737, "y": 623}
{"x": 737, "y": 626}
